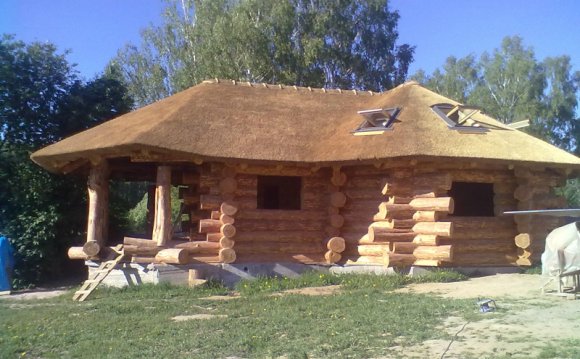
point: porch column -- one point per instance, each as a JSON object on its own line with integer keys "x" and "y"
{"x": 98, "y": 188}
{"x": 162, "y": 226}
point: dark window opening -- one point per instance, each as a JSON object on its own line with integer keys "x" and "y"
{"x": 279, "y": 192}
{"x": 472, "y": 199}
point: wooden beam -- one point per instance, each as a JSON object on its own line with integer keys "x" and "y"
{"x": 98, "y": 189}
{"x": 162, "y": 227}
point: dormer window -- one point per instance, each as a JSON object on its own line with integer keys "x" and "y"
{"x": 376, "y": 121}
{"x": 460, "y": 117}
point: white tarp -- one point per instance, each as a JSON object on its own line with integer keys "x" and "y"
{"x": 562, "y": 253}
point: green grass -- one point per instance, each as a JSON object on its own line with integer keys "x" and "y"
{"x": 361, "y": 321}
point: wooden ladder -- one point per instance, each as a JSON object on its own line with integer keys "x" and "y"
{"x": 99, "y": 275}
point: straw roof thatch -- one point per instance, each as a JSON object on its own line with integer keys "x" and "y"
{"x": 224, "y": 120}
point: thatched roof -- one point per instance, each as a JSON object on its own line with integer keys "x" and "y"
{"x": 224, "y": 120}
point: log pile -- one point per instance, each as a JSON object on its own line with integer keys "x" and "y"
{"x": 534, "y": 191}
{"x": 407, "y": 229}
{"x": 335, "y": 245}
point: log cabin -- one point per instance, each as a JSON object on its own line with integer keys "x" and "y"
{"x": 271, "y": 174}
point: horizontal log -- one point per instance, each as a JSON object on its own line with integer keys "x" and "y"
{"x": 225, "y": 219}
{"x": 336, "y": 220}
{"x": 483, "y": 227}
{"x": 91, "y": 248}
{"x": 281, "y": 215}
{"x": 506, "y": 188}
{"x": 400, "y": 260}
{"x": 77, "y": 253}
{"x": 444, "y": 229}
{"x": 442, "y": 253}
{"x": 338, "y": 199}
{"x": 404, "y": 247}
{"x": 484, "y": 259}
{"x": 246, "y": 225}
{"x": 335, "y": 244}
{"x": 215, "y": 215}
{"x": 540, "y": 177}
{"x": 280, "y": 236}
{"x": 384, "y": 215}
{"x": 369, "y": 182}
{"x": 281, "y": 258}
{"x": 426, "y": 240}
{"x": 426, "y": 216}
{"x": 228, "y": 185}
{"x": 363, "y": 194}
{"x": 480, "y": 245}
{"x": 172, "y": 256}
{"x": 427, "y": 263}
{"x": 280, "y": 248}
{"x": 339, "y": 179}
{"x": 227, "y": 255}
{"x": 482, "y": 176}
{"x": 228, "y": 208}
{"x": 523, "y": 240}
{"x": 368, "y": 260}
{"x": 380, "y": 231}
{"x": 228, "y": 230}
{"x": 209, "y": 225}
{"x": 374, "y": 249}
{"x": 331, "y": 231}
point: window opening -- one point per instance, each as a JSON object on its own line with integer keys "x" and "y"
{"x": 460, "y": 117}
{"x": 376, "y": 121}
{"x": 472, "y": 199}
{"x": 279, "y": 192}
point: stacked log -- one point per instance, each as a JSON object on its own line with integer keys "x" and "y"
{"x": 406, "y": 229}
{"x": 535, "y": 191}
{"x": 189, "y": 196}
{"x": 335, "y": 245}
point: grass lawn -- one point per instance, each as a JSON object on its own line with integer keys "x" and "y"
{"x": 362, "y": 320}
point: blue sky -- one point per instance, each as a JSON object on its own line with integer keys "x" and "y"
{"x": 95, "y": 30}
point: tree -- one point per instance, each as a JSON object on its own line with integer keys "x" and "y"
{"x": 42, "y": 100}
{"x": 347, "y": 44}
{"x": 510, "y": 84}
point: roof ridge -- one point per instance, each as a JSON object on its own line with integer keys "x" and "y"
{"x": 294, "y": 87}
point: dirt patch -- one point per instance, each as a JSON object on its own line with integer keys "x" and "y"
{"x": 182, "y": 318}
{"x": 312, "y": 291}
{"x": 36, "y": 294}
{"x": 526, "y": 320}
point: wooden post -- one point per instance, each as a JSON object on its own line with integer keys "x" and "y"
{"x": 98, "y": 188}
{"x": 150, "y": 211}
{"x": 162, "y": 230}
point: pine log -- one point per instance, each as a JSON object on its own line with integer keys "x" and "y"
{"x": 443, "y": 204}
{"x": 524, "y": 253}
{"x": 427, "y": 263}
{"x": 213, "y": 237}
{"x": 162, "y": 228}
{"x": 332, "y": 257}
{"x": 228, "y": 185}
{"x": 215, "y": 215}
{"x": 336, "y": 244}
{"x": 375, "y": 249}
{"x": 228, "y": 230}
{"x": 225, "y": 219}
{"x": 404, "y": 247}
{"x": 469, "y": 228}
{"x": 332, "y": 231}
{"x": 480, "y": 245}
{"x": 523, "y": 240}
{"x": 366, "y": 260}
{"x": 385, "y": 215}
{"x": 380, "y": 231}
{"x": 98, "y": 190}
{"x": 209, "y": 225}
{"x": 426, "y": 240}
{"x": 227, "y": 255}
{"x": 442, "y": 253}
{"x": 524, "y": 262}
{"x": 383, "y": 238}
{"x": 338, "y": 179}
{"x": 336, "y": 221}
{"x": 282, "y": 215}
{"x": 426, "y": 216}
{"x": 91, "y": 248}
{"x": 338, "y": 199}
{"x": 172, "y": 256}
{"x": 363, "y": 194}
{"x": 142, "y": 259}
{"x": 77, "y": 253}
{"x": 399, "y": 260}
{"x": 282, "y": 258}
{"x": 402, "y": 223}
{"x": 249, "y": 225}
{"x": 444, "y": 229}
{"x": 139, "y": 251}
{"x": 281, "y": 236}
{"x": 280, "y": 248}
{"x": 141, "y": 242}
{"x": 226, "y": 242}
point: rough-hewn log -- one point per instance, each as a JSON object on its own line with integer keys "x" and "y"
{"x": 228, "y": 208}
{"x": 441, "y": 204}
{"x": 444, "y": 229}
{"x": 383, "y": 238}
{"x": 468, "y": 228}
{"x": 225, "y": 219}
{"x": 226, "y": 242}
{"x": 404, "y": 247}
{"x": 523, "y": 240}
{"x": 77, "y": 253}
{"x": 172, "y": 256}
{"x": 228, "y": 185}
{"x": 215, "y": 215}
{"x": 134, "y": 250}
{"x": 399, "y": 260}
{"x": 162, "y": 228}
{"x": 426, "y": 240}
{"x": 427, "y": 263}
{"x": 281, "y": 236}
{"x": 336, "y": 220}
{"x": 374, "y": 249}
{"x": 338, "y": 179}
{"x": 98, "y": 189}
{"x": 368, "y": 260}
{"x": 209, "y": 225}
{"x": 335, "y": 244}
{"x": 442, "y": 253}
{"x": 426, "y": 216}
{"x": 480, "y": 245}
{"x": 279, "y": 225}
{"x": 227, "y": 255}
{"x": 282, "y": 258}
{"x": 91, "y": 248}
{"x": 228, "y": 230}
{"x": 332, "y": 257}
{"x": 338, "y": 199}
{"x": 380, "y": 231}
{"x": 524, "y": 262}
{"x": 281, "y": 215}
{"x": 280, "y": 248}
{"x": 385, "y": 215}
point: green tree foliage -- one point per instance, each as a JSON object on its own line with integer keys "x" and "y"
{"x": 322, "y": 43}
{"x": 511, "y": 85}
{"x": 41, "y": 101}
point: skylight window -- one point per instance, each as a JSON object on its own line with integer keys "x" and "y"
{"x": 376, "y": 121}
{"x": 460, "y": 117}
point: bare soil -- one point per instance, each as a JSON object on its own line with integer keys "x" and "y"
{"x": 526, "y": 320}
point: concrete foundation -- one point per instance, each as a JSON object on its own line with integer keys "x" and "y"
{"x": 230, "y": 274}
